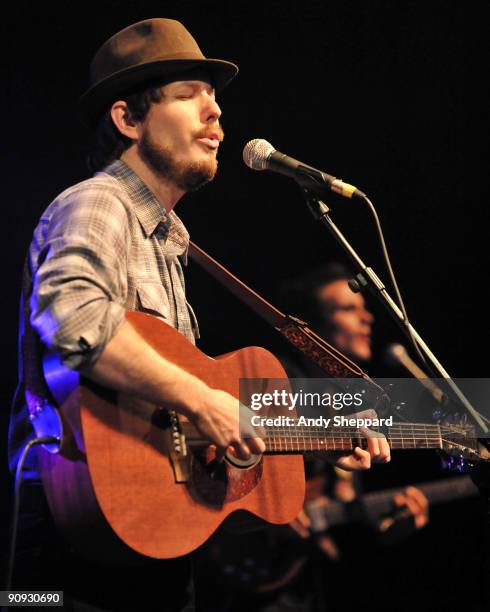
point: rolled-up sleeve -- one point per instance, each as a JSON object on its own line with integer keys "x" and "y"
{"x": 80, "y": 275}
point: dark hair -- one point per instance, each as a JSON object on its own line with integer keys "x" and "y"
{"x": 108, "y": 142}
{"x": 299, "y": 295}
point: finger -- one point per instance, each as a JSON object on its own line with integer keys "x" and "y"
{"x": 399, "y": 500}
{"x": 241, "y": 449}
{"x": 412, "y": 506}
{"x": 373, "y": 449}
{"x": 303, "y": 519}
{"x": 372, "y": 442}
{"x": 415, "y": 511}
{"x": 299, "y": 528}
{"x": 418, "y": 496}
{"x": 378, "y": 447}
{"x": 363, "y": 457}
{"x": 419, "y": 506}
{"x": 329, "y": 547}
{"x": 256, "y": 445}
{"x": 384, "y": 450}
{"x": 421, "y": 520}
{"x": 249, "y": 446}
{"x": 358, "y": 460}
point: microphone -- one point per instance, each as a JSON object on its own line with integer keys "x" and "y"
{"x": 396, "y": 354}
{"x": 259, "y": 154}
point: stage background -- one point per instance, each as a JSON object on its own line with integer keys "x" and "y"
{"x": 388, "y": 96}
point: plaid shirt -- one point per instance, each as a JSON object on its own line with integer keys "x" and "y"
{"x": 102, "y": 247}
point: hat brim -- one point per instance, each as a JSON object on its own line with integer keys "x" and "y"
{"x": 96, "y": 100}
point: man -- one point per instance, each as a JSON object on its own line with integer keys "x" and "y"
{"x": 325, "y": 300}
{"x": 113, "y": 243}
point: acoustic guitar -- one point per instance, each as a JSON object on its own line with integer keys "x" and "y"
{"x": 132, "y": 479}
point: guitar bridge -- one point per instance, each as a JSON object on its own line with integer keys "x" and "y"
{"x": 178, "y": 455}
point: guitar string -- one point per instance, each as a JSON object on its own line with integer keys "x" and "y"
{"x": 319, "y": 439}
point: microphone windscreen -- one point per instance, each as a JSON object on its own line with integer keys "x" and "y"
{"x": 395, "y": 354}
{"x": 256, "y": 153}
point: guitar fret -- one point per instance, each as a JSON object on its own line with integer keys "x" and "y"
{"x": 301, "y": 439}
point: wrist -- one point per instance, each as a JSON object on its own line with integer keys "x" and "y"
{"x": 192, "y": 397}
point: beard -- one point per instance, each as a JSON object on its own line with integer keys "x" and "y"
{"x": 187, "y": 176}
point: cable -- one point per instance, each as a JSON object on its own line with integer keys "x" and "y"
{"x": 17, "y": 485}
{"x": 394, "y": 283}
{"x": 477, "y": 416}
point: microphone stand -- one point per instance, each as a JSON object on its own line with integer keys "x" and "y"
{"x": 368, "y": 279}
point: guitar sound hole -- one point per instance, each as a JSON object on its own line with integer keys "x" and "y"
{"x": 219, "y": 482}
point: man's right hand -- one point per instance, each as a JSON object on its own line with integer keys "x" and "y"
{"x": 217, "y": 419}
{"x": 130, "y": 365}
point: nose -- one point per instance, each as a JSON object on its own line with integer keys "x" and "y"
{"x": 367, "y": 317}
{"x": 211, "y": 109}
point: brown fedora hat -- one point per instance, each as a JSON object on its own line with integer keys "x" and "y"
{"x": 141, "y": 53}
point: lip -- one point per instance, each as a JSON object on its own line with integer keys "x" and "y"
{"x": 365, "y": 337}
{"x": 212, "y": 142}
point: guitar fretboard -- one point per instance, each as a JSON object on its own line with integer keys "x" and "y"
{"x": 298, "y": 439}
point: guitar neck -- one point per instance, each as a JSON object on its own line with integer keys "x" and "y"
{"x": 307, "y": 439}
{"x": 374, "y": 505}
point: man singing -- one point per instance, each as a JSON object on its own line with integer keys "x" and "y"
{"x": 112, "y": 244}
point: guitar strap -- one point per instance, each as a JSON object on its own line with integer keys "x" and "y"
{"x": 38, "y": 397}
{"x": 297, "y": 332}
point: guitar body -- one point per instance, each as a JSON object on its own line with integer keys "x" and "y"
{"x": 119, "y": 490}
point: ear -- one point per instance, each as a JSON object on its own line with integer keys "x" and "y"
{"x": 123, "y": 121}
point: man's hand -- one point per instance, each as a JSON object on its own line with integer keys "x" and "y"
{"x": 411, "y": 511}
{"x": 130, "y": 365}
{"x": 378, "y": 451}
{"x": 217, "y": 419}
{"x": 412, "y": 502}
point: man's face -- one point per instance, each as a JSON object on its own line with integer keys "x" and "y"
{"x": 180, "y": 135}
{"x": 347, "y": 319}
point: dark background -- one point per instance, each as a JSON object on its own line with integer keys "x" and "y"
{"x": 388, "y": 96}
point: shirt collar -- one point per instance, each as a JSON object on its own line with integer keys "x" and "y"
{"x": 149, "y": 211}
{"x": 146, "y": 206}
